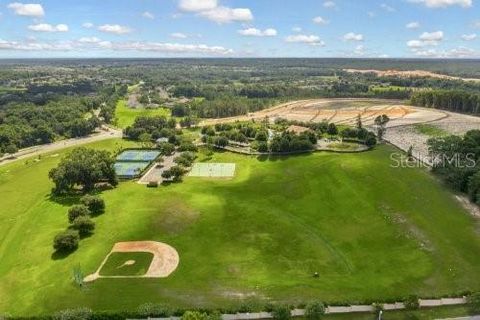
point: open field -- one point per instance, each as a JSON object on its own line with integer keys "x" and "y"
{"x": 125, "y": 116}
{"x": 371, "y": 231}
{"x": 342, "y": 112}
{"x": 409, "y": 74}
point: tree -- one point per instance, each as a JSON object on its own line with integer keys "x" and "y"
{"x": 380, "y": 124}
{"x": 66, "y": 241}
{"x": 410, "y": 153}
{"x": 358, "y": 123}
{"x": 166, "y": 148}
{"x": 261, "y": 135}
{"x": 370, "y": 140}
{"x": 332, "y": 129}
{"x": 281, "y": 313}
{"x": 146, "y": 140}
{"x": 11, "y": 149}
{"x": 95, "y": 204}
{"x": 76, "y": 211}
{"x": 84, "y": 225}
{"x": 314, "y": 311}
{"x": 83, "y": 167}
{"x": 474, "y": 303}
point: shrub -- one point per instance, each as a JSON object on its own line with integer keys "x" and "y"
{"x": 411, "y": 302}
{"x": 281, "y": 313}
{"x": 154, "y": 310}
{"x": 74, "y": 314}
{"x": 95, "y": 204}
{"x": 474, "y": 303}
{"x": 66, "y": 241}
{"x": 77, "y": 211}
{"x": 152, "y": 184}
{"x": 194, "y": 315}
{"x": 314, "y": 311}
{"x": 84, "y": 225}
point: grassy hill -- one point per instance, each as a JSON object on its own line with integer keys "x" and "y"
{"x": 371, "y": 232}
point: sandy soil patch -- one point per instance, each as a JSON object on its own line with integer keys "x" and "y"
{"x": 409, "y": 74}
{"x": 165, "y": 259}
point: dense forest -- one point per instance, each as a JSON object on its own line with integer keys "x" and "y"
{"x": 451, "y": 100}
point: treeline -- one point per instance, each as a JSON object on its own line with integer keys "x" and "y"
{"x": 451, "y": 100}
{"x": 456, "y": 160}
{"x": 24, "y": 125}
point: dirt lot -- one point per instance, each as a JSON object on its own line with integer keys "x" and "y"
{"x": 408, "y": 74}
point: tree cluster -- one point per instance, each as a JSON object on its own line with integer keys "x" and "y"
{"x": 457, "y": 160}
{"x": 81, "y": 223}
{"x": 83, "y": 168}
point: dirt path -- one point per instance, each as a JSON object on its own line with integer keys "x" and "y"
{"x": 106, "y": 133}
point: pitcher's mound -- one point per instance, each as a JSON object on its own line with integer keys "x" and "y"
{"x": 164, "y": 261}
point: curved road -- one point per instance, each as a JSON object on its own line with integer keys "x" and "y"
{"x": 104, "y": 134}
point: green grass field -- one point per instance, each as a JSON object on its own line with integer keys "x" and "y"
{"x": 117, "y": 264}
{"x": 370, "y": 231}
{"x": 125, "y": 116}
{"x": 430, "y": 130}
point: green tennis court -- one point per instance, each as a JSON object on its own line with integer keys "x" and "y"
{"x": 213, "y": 170}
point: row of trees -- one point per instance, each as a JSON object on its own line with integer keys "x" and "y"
{"x": 452, "y": 100}
{"x": 81, "y": 223}
{"x": 148, "y": 128}
{"x": 456, "y": 160}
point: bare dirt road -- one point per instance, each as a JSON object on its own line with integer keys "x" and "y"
{"x": 105, "y": 133}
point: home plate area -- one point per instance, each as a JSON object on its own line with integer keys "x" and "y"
{"x": 137, "y": 259}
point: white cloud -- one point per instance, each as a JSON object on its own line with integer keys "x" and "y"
{"x": 148, "y": 15}
{"x": 351, "y": 36}
{"x": 114, "y": 28}
{"x": 320, "y": 21}
{"x": 412, "y": 25}
{"x": 359, "y": 50}
{"x": 27, "y": 9}
{"x": 469, "y": 37}
{"x": 308, "y": 39}
{"x": 88, "y": 25}
{"x": 432, "y": 37}
{"x": 197, "y": 5}
{"x": 444, "y": 3}
{"x": 460, "y": 52}
{"x": 97, "y": 44}
{"x": 89, "y": 40}
{"x": 227, "y": 15}
{"x": 387, "y": 8}
{"x": 426, "y": 39}
{"x": 178, "y": 35}
{"x": 297, "y": 29}
{"x": 329, "y": 4}
{"x": 254, "y": 32}
{"x": 45, "y": 27}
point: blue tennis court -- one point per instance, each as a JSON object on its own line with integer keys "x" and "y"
{"x": 130, "y": 169}
{"x": 138, "y": 155}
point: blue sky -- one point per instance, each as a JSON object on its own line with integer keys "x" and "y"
{"x": 240, "y": 28}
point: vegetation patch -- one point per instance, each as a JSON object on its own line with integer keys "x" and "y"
{"x": 429, "y": 130}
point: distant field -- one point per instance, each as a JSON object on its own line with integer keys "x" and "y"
{"x": 125, "y": 116}
{"x": 371, "y": 232}
{"x": 430, "y": 130}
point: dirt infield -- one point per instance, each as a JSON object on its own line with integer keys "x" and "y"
{"x": 340, "y": 111}
{"x": 165, "y": 259}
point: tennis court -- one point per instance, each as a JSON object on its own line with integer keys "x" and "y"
{"x": 138, "y": 155}
{"x": 130, "y": 170}
{"x": 213, "y": 170}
